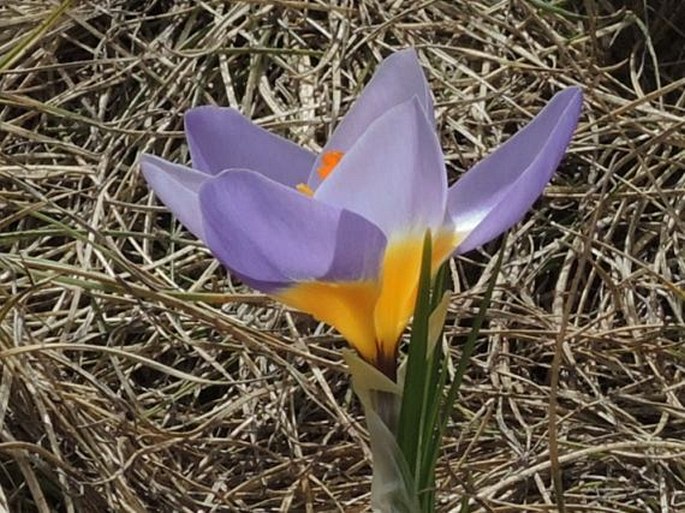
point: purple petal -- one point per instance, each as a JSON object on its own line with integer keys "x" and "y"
{"x": 398, "y": 79}
{"x": 394, "y": 175}
{"x": 177, "y": 187}
{"x": 495, "y": 194}
{"x": 221, "y": 138}
{"x": 271, "y": 235}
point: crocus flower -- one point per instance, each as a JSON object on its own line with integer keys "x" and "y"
{"x": 339, "y": 234}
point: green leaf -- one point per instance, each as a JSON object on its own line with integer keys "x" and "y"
{"x": 466, "y": 356}
{"x": 413, "y": 398}
{"x": 436, "y": 322}
{"x": 433, "y": 396}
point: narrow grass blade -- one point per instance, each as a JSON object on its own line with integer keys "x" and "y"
{"x": 7, "y": 60}
{"x": 466, "y": 355}
{"x": 410, "y": 428}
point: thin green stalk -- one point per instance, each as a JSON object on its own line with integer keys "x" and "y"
{"x": 409, "y": 429}
{"x": 432, "y": 402}
{"x": 466, "y": 355}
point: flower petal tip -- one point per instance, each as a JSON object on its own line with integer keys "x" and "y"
{"x": 177, "y": 187}
{"x": 497, "y": 192}
{"x": 221, "y": 138}
{"x": 573, "y": 98}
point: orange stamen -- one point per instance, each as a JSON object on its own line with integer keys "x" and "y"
{"x": 305, "y": 189}
{"x": 329, "y": 160}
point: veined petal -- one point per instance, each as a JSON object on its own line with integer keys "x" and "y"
{"x": 271, "y": 234}
{"x": 394, "y": 175}
{"x": 177, "y": 187}
{"x": 221, "y": 138}
{"x": 496, "y": 193}
{"x": 397, "y": 79}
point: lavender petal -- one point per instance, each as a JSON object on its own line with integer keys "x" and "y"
{"x": 272, "y": 236}
{"x": 177, "y": 187}
{"x": 394, "y": 175}
{"x": 496, "y": 193}
{"x": 221, "y": 138}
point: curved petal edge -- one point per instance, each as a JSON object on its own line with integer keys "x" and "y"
{"x": 221, "y": 138}
{"x": 272, "y": 236}
{"x": 496, "y": 193}
{"x": 177, "y": 187}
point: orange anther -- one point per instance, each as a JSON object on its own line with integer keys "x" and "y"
{"x": 329, "y": 160}
{"x": 305, "y": 189}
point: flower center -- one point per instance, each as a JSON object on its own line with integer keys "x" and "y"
{"x": 329, "y": 160}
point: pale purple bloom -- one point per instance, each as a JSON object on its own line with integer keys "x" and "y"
{"x": 344, "y": 253}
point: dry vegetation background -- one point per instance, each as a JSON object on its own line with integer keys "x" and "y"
{"x": 135, "y": 375}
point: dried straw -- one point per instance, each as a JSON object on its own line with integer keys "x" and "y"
{"x": 135, "y": 375}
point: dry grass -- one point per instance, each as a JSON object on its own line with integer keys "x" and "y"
{"x": 137, "y": 376}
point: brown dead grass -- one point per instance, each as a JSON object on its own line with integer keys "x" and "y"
{"x": 136, "y": 376}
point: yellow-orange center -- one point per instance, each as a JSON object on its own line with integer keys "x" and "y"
{"x": 329, "y": 160}
{"x": 371, "y": 314}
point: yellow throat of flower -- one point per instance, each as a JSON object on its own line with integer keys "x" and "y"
{"x": 372, "y": 314}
